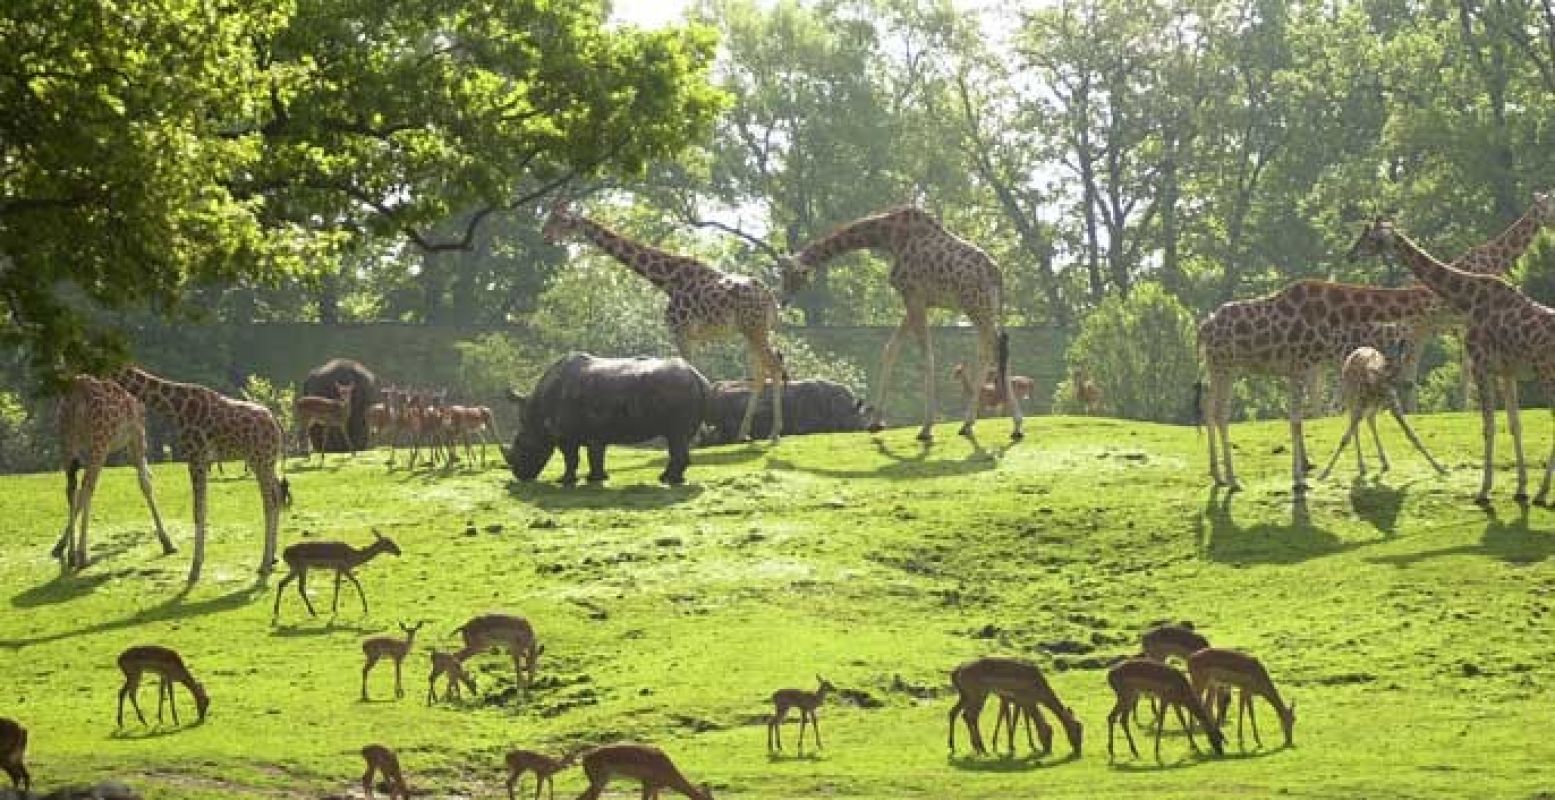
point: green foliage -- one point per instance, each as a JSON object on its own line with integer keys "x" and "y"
{"x": 1139, "y": 351}
{"x": 29, "y": 441}
{"x": 280, "y": 398}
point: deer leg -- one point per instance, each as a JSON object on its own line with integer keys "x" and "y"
{"x": 1252, "y": 717}
{"x": 199, "y": 476}
{"x": 334, "y": 606}
{"x": 1514, "y": 424}
{"x": 290, "y": 576}
{"x": 815, "y": 725}
{"x": 143, "y": 472}
{"x": 775, "y": 729}
{"x": 161, "y": 697}
{"x": 172, "y": 700}
{"x": 302, "y": 589}
{"x": 1187, "y": 726}
{"x": 999, "y": 722}
{"x": 133, "y": 688}
{"x": 399, "y": 688}
{"x": 367, "y": 782}
{"x": 351, "y": 576}
{"x": 372, "y": 660}
{"x": 1160, "y": 725}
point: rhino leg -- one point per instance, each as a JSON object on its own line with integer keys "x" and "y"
{"x": 570, "y": 460}
{"x": 597, "y": 472}
{"x": 680, "y": 458}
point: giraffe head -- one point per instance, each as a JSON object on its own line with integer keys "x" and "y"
{"x": 1544, "y": 208}
{"x": 795, "y": 276}
{"x": 1376, "y": 240}
{"x": 560, "y": 222}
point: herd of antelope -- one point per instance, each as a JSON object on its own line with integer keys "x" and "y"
{"x": 419, "y": 418}
{"x": 1199, "y": 693}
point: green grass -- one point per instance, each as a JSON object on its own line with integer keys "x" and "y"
{"x": 1412, "y": 627}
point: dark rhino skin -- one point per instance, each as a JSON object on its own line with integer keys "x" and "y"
{"x": 584, "y": 401}
{"x": 809, "y": 406}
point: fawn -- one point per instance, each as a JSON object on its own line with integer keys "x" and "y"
{"x": 643, "y": 762}
{"x": 13, "y": 752}
{"x": 806, "y": 702}
{"x": 383, "y": 761}
{"x": 512, "y": 633}
{"x": 1137, "y": 676}
{"x": 338, "y": 556}
{"x": 1217, "y": 667}
{"x": 543, "y": 766}
{"x": 169, "y": 667}
{"x": 989, "y": 395}
{"x": 379, "y": 647}
{"x": 450, "y": 665}
{"x": 327, "y": 413}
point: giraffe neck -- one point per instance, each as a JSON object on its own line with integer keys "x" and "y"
{"x": 662, "y": 269}
{"x": 877, "y": 232}
{"x": 1453, "y": 285}
{"x": 1496, "y": 256}
{"x": 167, "y": 397}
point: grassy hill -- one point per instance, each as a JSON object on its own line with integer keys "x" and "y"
{"x": 1412, "y": 627}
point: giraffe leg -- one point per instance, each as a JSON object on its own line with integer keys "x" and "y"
{"x": 1487, "y": 426}
{"x": 143, "y": 471}
{"x": 779, "y": 377}
{"x": 926, "y": 343}
{"x": 893, "y": 348}
{"x": 1298, "y": 468}
{"x": 1222, "y": 406}
{"x": 199, "y": 478}
{"x": 1344, "y": 441}
{"x": 64, "y": 548}
{"x": 1514, "y": 424}
{"x": 84, "y": 506}
{"x": 1397, "y": 409}
{"x": 1382, "y": 455}
{"x": 758, "y": 370}
{"x": 1017, "y": 417}
{"x": 1207, "y": 419}
{"x": 985, "y": 361}
{"x": 270, "y": 498}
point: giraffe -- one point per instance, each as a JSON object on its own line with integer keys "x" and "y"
{"x": 211, "y": 425}
{"x": 932, "y": 268}
{"x": 1508, "y": 335}
{"x": 96, "y": 418}
{"x": 704, "y": 303}
{"x": 1298, "y": 330}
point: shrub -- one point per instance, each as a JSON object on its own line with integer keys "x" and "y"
{"x": 1139, "y": 351}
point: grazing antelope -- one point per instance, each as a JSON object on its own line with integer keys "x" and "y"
{"x": 1022, "y": 683}
{"x": 990, "y": 396}
{"x": 13, "y": 752}
{"x": 1217, "y": 667}
{"x": 1137, "y": 676}
{"x": 477, "y": 420}
{"x": 383, "y": 761}
{"x": 806, "y": 702}
{"x": 388, "y": 647}
{"x": 1086, "y": 391}
{"x": 509, "y": 632}
{"x": 450, "y": 665}
{"x": 642, "y": 762}
{"x": 1010, "y": 716}
{"x": 1368, "y": 383}
{"x": 169, "y": 669}
{"x": 327, "y": 413}
{"x": 542, "y": 765}
{"x": 1165, "y": 642}
{"x": 338, "y": 556}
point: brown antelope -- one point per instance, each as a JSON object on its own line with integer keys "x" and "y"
{"x": 169, "y": 669}
{"x": 542, "y": 765}
{"x": 1022, "y": 683}
{"x": 1086, "y": 391}
{"x": 1165, "y": 642}
{"x": 13, "y": 753}
{"x": 450, "y": 665}
{"x": 990, "y": 396}
{"x": 1217, "y": 667}
{"x": 338, "y": 556}
{"x": 383, "y": 761}
{"x": 1136, "y": 676}
{"x": 509, "y": 632}
{"x": 379, "y": 647}
{"x": 806, "y": 702}
{"x": 473, "y": 420}
{"x": 642, "y": 762}
{"x": 327, "y": 413}
{"x": 383, "y": 418}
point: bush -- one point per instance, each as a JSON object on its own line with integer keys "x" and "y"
{"x": 1139, "y": 351}
{"x": 280, "y": 398}
{"x": 29, "y": 441}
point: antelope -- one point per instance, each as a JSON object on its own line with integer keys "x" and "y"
{"x": 1367, "y": 383}
{"x": 428, "y": 422}
{"x": 450, "y": 665}
{"x": 382, "y": 760}
{"x": 1167, "y": 641}
{"x": 1020, "y": 682}
{"x": 643, "y": 762}
{"x": 1137, "y": 676}
{"x": 379, "y": 647}
{"x": 477, "y": 420}
{"x": 169, "y": 668}
{"x": 326, "y": 412}
{"x": 1010, "y": 715}
{"x": 13, "y": 751}
{"x": 338, "y": 556}
{"x": 806, "y": 702}
{"x": 990, "y": 396}
{"x": 542, "y": 765}
{"x": 386, "y": 417}
{"x": 512, "y": 633}
{"x": 1086, "y": 391}
{"x": 1214, "y": 666}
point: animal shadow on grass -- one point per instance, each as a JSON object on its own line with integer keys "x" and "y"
{"x": 552, "y": 496}
{"x": 1006, "y": 763}
{"x": 730, "y": 454}
{"x": 329, "y": 628}
{"x": 1377, "y": 503}
{"x": 63, "y": 588}
{"x": 910, "y": 465}
{"x": 1222, "y": 539}
{"x": 173, "y": 608}
{"x": 1509, "y": 540}
{"x": 156, "y": 730}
